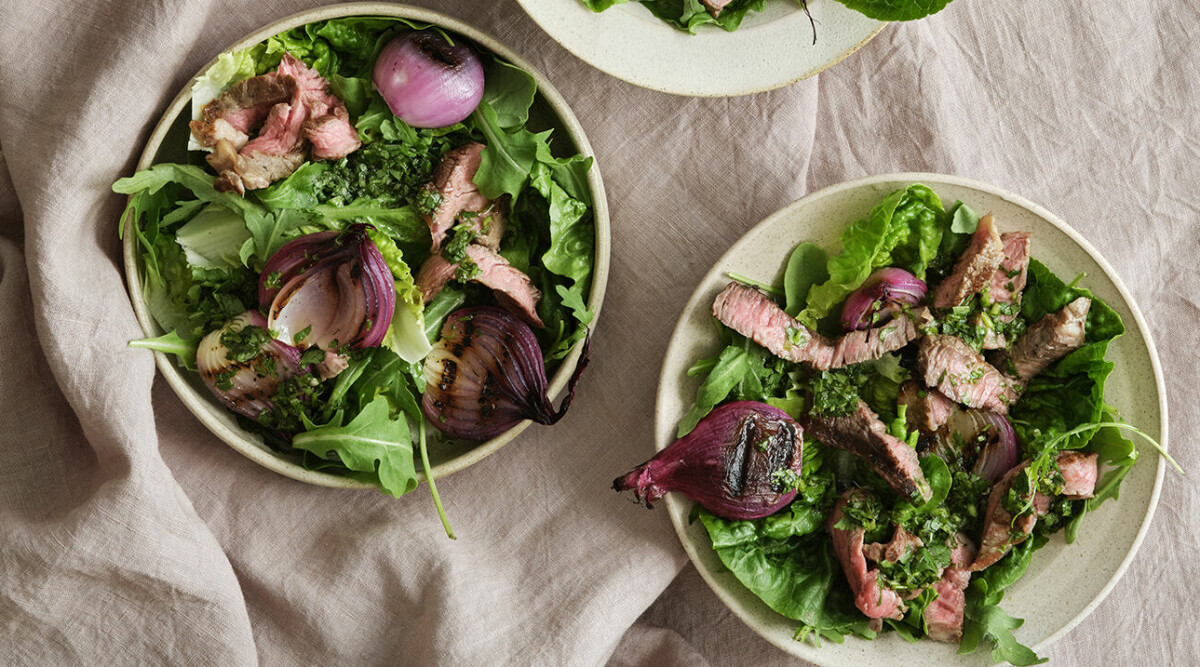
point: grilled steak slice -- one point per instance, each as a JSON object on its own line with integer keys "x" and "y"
{"x": 856, "y": 347}
{"x": 862, "y": 434}
{"x": 1048, "y": 340}
{"x": 959, "y": 372}
{"x": 1000, "y": 533}
{"x": 454, "y": 186}
{"x": 891, "y": 552}
{"x": 752, "y": 314}
{"x": 512, "y": 289}
{"x": 293, "y": 107}
{"x": 927, "y": 409}
{"x": 974, "y": 268}
{"x": 332, "y": 136}
{"x": 1008, "y": 281}
{"x": 239, "y": 172}
{"x": 243, "y": 107}
{"x": 873, "y": 599}
{"x": 1079, "y": 472}
{"x": 944, "y": 616}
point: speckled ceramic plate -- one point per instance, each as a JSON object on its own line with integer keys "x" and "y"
{"x": 1064, "y": 583}
{"x": 167, "y": 144}
{"x": 772, "y": 48}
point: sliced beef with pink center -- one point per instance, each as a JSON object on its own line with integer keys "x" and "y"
{"x": 974, "y": 268}
{"x": 459, "y": 198}
{"x": 1048, "y": 340}
{"x": 752, "y": 314}
{"x": 926, "y": 409}
{"x": 862, "y": 433}
{"x": 1008, "y": 281}
{"x": 962, "y": 374}
{"x": 1079, "y": 471}
{"x": 944, "y": 616}
{"x": 872, "y": 598}
{"x": 512, "y": 289}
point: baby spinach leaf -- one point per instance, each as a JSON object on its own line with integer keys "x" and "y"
{"x": 805, "y": 268}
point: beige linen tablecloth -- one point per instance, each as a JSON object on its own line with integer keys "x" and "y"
{"x": 132, "y": 535}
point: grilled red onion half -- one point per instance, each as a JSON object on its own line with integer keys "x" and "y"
{"x": 980, "y": 440}
{"x": 329, "y": 289}
{"x": 742, "y": 461}
{"x": 486, "y": 375}
{"x": 883, "y": 295}
{"x": 427, "y": 81}
{"x": 245, "y": 379}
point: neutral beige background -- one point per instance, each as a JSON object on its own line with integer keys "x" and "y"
{"x": 130, "y": 534}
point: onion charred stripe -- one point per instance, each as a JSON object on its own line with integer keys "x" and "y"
{"x": 742, "y": 461}
{"x": 499, "y": 377}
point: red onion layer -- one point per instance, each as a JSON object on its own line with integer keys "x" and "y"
{"x": 246, "y": 386}
{"x": 426, "y": 81}
{"x": 486, "y": 375}
{"x": 884, "y": 294}
{"x": 979, "y": 440}
{"x": 329, "y": 289}
{"x": 742, "y": 461}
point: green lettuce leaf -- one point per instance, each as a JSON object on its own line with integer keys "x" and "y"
{"x": 896, "y": 10}
{"x": 1071, "y": 392}
{"x": 904, "y": 230}
{"x": 373, "y": 442}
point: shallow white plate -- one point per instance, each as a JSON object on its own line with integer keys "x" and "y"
{"x": 772, "y": 48}
{"x": 1064, "y": 583}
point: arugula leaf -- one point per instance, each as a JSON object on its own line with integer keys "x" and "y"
{"x": 572, "y": 298}
{"x": 508, "y": 157}
{"x": 896, "y": 10}
{"x": 296, "y": 191}
{"x": 372, "y": 442}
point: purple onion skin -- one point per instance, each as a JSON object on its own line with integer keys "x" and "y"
{"x": 1001, "y": 452}
{"x": 486, "y": 375}
{"x": 252, "y": 386}
{"x": 883, "y": 294}
{"x": 727, "y": 464}
{"x": 981, "y": 440}
{"x": 426, "y": 81}
{"x": 293, "y": 267}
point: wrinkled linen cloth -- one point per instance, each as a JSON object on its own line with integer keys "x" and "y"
{"x": 133, "y": 535}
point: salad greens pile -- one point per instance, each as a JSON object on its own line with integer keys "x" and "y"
{"x": 689, "y": 15}
{"x": 787, "y": 558}
{"x": 202, "y": 250}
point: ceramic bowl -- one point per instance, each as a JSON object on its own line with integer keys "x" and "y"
{"x": 167, "y": 144}
{"x": 1064, "y": 583}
